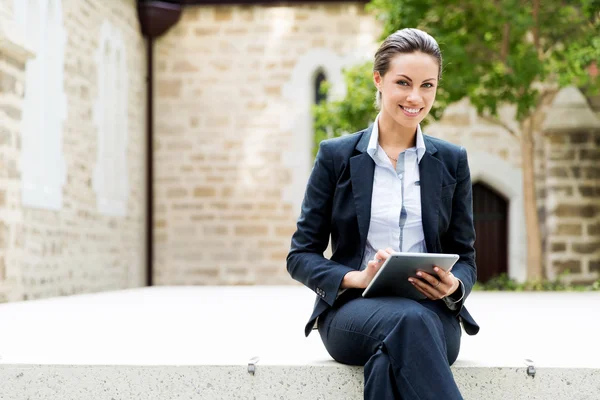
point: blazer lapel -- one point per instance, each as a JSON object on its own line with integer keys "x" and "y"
{"x": 430, "y": 170}
{"x": 362, "y": 169}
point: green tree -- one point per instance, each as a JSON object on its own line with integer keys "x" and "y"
{"x": 496, "y": 52}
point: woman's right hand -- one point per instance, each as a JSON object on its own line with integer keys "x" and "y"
{"x": 361, "y": 279}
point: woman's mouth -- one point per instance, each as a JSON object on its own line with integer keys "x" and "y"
{"x": 411, "y": 112}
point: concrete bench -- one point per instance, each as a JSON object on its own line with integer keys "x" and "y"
{"x": 196, "y": 343}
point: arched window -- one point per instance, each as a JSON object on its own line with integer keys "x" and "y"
{"x": 319, "y": 79}
{"x": 44, "y": 107}
{"x": 110, "y": 180}
{"x": 311, "y": 70}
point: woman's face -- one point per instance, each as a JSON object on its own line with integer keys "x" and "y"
{"x": 408, "y": 88}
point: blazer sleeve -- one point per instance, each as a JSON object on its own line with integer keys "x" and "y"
{"x": 305, "y": 261}
{"x": 460, "y": 236}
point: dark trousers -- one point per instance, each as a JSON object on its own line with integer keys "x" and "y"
{"x": 406, "y": 346}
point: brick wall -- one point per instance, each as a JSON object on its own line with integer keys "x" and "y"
{"x": 461, "y": 125}
{"x": 572, "y": 183}
{"x": 223, "y": 138}
{"x": 573, "y": 190}
{"x": 224, "y": 214}
{"x": 76, "y": 249}
{"x": 228, "y": 135}
{"x": 11, "y": 217}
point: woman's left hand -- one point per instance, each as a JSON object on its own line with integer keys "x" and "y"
{"x": 435, "y": 287}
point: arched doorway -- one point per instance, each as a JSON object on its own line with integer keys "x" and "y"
{"x": 490, "y": 215}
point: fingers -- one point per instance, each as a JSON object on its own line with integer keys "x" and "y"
{"x": 432, "y": 280}
{"x": 427, "y": 288}
{"x": 422, "y": 287}
{"x": 443, "y": 275}
{"x": 374, "y": 264}
{"x": 434, "y": 287}
{"x": 382, "y": 255}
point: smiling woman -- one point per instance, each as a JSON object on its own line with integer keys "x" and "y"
{"x": 414, "y": 94}
{"x": 407, "y": 69}
{"x": 390, "y": 188}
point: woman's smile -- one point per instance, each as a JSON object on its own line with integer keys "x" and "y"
{"x": 411, "y": 112}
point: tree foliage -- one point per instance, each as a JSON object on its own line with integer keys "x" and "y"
{"x": 352, "y": 113}
{"x": 495, "y": 52}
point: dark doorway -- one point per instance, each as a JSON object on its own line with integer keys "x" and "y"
{"x": 490, "y": 214}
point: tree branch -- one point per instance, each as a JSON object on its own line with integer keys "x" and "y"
{"x": 498, "y": 121}
{"x": 505, "y": 43}
{"x": 536, "y": 27}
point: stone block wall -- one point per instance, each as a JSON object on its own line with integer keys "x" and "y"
{"x": 226, "y": 132}
{"x": 12, "y": 74}
{"x": 75, "y": 249}
{"x": 227, "y": 196}
{"x": 461, "y": 125}
{"x": 233, "y": 90}
{"x": 573, "y": 203}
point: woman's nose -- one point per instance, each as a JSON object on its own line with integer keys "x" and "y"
{"x": 414, "y": 96}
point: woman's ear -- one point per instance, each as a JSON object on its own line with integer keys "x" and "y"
{"x": 378, "y": 80}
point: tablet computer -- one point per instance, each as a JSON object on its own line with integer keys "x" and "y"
{"x": 392, "y": 277}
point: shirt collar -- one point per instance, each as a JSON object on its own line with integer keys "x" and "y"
{"x": 373, "y": 146}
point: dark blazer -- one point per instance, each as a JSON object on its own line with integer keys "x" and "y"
{"x": 337, "y": 202}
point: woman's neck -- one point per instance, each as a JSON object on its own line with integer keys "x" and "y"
{"x": 394, "y": 136}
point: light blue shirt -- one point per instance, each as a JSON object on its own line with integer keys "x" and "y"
{"x": 396, "y": 199}
{"x": 396, "y": 202}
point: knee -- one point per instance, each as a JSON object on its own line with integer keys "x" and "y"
{"x": 420, "y": 316}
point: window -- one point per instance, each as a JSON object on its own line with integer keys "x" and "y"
{"x": 319, "y": 79}
{"x": 110, "y": 180}
{"x": 301, "y": 92}
{"x": 45, "y": 105}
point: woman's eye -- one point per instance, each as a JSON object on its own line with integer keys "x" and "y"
{"x": 428, "y": 85}
{"x": 403, "y": 83}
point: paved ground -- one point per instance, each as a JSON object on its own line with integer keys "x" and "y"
{"x": 229, "y": 325}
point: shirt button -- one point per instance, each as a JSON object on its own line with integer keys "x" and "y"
{"x": 400, "y": 176}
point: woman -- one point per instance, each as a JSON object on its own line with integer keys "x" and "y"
{"x": 384, "y": 189}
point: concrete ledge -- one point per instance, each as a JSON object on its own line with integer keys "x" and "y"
{"x": 272, "y": 383}
{"x": 195, "y": 342}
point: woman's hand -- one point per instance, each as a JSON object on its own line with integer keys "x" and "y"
{"x": 433, "y": 287}
{"x": 361, "y": 279}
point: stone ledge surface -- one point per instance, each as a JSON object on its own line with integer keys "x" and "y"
{"x": 272, "y": 383}
{"x": 195, "y": 342}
